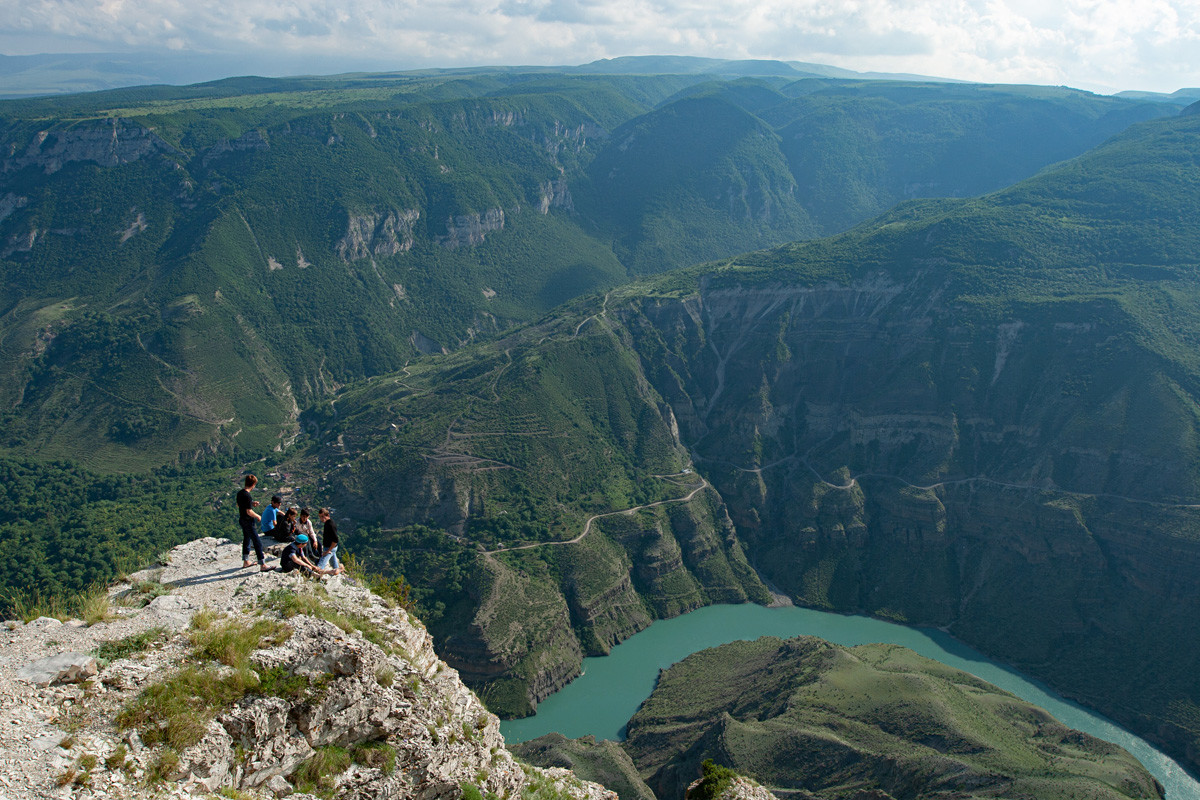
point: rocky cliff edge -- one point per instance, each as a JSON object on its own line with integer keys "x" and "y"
{"x": 204, "y": 678}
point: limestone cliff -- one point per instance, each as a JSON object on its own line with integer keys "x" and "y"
{"x": 378, "y": 233}
{"x": 252, "y": 684}
{"x": 466, "y": 230}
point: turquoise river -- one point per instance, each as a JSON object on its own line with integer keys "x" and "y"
{"x": 602, "y": 700}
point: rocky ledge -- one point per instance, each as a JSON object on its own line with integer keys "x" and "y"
{"x": 203, "y": 677}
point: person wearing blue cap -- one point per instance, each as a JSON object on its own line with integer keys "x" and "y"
{"x": 292, "y": 557}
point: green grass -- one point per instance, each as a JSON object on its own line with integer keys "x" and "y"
{"x": 176, "y": 711}
{"x": 316, "y": 775}
{"x": 116, "y": 649}
{"x": 230, "y": 642}
{"x": 378, "y": 755}
{"x": 316, "y": 602}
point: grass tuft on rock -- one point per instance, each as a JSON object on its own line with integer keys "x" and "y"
{"x": 231, "y": 642}
{"x": 380, "y": 755}
{"x": 316, "y": 776}
{"x": 315, "y": 603}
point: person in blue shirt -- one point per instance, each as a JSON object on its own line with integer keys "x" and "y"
{"x": 270, "y": 515}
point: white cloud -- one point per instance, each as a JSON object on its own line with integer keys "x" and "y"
{"x": 1153, "y": 44}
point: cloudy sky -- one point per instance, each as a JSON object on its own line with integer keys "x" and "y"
{"x": 1092, "y": 44}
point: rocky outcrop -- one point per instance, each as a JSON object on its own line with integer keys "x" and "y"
{"x": 343, "y": 695}
{"x": 108, "y": 143}
{"x": 467, "y": 230}
{"x": 555, "y": 194}
{"x": 742, "y": 788}
{"x": 378, "y": 234}
{"x": 9, "y": 203}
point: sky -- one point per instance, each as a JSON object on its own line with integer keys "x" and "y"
{"x": 1098, "y": 45}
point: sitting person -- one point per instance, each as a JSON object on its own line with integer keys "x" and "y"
{"x": 304, "y": 525}
{"x": 292, "y": 557}
{"x": 286, "y": 531}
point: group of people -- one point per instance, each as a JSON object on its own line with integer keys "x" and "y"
{"x": 291, "y": 526}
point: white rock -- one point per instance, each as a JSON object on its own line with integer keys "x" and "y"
{"x": 62, "y": 668}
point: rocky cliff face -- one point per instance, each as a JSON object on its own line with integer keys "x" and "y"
{"x": 466, "y": 230}
{"x": 530, "y": 628}
{"x": 261, "y": 684}
{"x": 379, "y": 234}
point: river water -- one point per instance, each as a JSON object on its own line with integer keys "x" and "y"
{"x": 602, "y": 700}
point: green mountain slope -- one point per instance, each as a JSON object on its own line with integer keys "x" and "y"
{"x": 804, "y": 714}
{"x": 238, "y": 260}
{"x": 976, "y": 414}
{"x": 185, "y": 268}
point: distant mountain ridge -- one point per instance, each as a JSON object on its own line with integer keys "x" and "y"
{"x": 67, "y": 73}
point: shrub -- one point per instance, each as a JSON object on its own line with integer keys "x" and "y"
{"x": 714, "y": 780}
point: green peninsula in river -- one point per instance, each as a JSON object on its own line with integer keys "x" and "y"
{"x": 810, "y": 716}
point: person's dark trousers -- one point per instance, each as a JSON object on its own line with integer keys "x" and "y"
{"x": 250, "y": 537}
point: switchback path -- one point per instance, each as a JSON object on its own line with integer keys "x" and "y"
{"x": 587, "y": 526}
{"x": 854, "y": 482}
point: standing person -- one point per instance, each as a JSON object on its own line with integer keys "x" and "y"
{"x": 270, "y": 516}
{"x": 247, "y": 518}
{"x": 329, "y": 544}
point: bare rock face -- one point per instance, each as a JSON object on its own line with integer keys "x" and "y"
{"x": 471, "y": 229}
{"x": 365, "y": 704}
{"x": 378, "y": 234}
{"x": 555, "y": 194}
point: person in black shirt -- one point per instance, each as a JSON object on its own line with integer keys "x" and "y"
{"x": 292, "y": 557}
{"x": 329, "y": 544}
{"x": 248, "y": 518}
{"x": 286, "y": 531}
